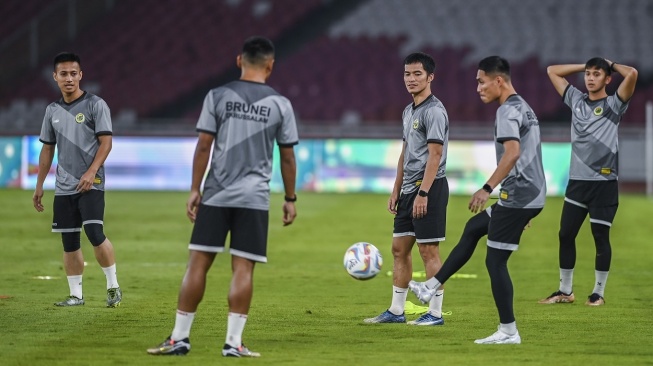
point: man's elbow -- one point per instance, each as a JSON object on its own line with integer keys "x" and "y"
{"x": 632, "y": 74}
{"x": 549, "y": 70}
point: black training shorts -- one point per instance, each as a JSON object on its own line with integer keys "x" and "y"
{"x": 248, "y": 228}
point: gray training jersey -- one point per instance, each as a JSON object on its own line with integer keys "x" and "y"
{"x": 423, "y": 124}
{"x": 246, "y": 118}
{"x": 594, "y": 140}
{"x": 74, "y": 128}
{"x": 525, "y": 185}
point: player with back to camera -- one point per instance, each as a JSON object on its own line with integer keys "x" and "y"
{"x": 79, "y": 125}
{"x": 420, "y": 194}
{"x": 521, "y": 197}
{"x": 592, "y": 188}
{"x": 244, "y": 118}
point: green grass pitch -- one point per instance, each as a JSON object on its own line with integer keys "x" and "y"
{"x": 306, "y": 309}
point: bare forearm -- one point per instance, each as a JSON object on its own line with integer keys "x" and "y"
{"x": 101, "y": 155}
{"x": 399, "y": 178}
{"x": 431, "y": 171}
{"x": 565, "y": 70}
{"x": 504, "y": 167}
{"x": 45, "y": 162}
{"x": 289, "y": 175}
{"x": 200, "y": 162}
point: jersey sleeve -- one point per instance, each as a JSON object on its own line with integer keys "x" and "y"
{"x": 287, "y": 133}
{"x": 436, "y": 126}
{"x": 102, "y": 118}
{"x": 509, "y": 120}
{"x": 571, "y": 95}
{"x": 617, "y": 105}
{"x": 207, "y": 121}
{"x": 47, "y": 135}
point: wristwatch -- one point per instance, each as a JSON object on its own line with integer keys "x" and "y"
{"x": 290, "y": 199}
{"x": 487, "y": 188}
{"x": 423, "y": 193}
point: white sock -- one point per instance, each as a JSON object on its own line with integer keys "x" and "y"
{"x": 183, "y": 322}
{"x": 398, "y": 300}
{"x": 110, "y": 273}
{"x": 75, "y": 285}
{"x": 601, "y": 279}
{"x": 566, "y": 280}
{"x": 435, "y": 305}
{"x": 235, "y": 326}
{"x": 509, "y": 329}
{"x": 433, "y": 283}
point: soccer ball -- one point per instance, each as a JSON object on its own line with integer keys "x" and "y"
{"x": 363, "y": 261}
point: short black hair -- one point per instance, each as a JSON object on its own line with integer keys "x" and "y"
{"x": 257, "y": 49}
{"x": 66, "y": 57}
{"x": 422, "y": 58}
{"x": 598, "y": 63}
{"x": 493, "y": 65}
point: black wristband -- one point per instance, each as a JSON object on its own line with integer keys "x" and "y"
{"x": 487, "y": 188}
{"x": 423, "y": 193}
{"x": 290, "y": 199}
{"x": 612, "y": 66}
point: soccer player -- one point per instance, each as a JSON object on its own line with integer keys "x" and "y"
{"x": 243, "y": 117}
{"x": 592, "y": 186}
{"x": 421, "y": 192}
{"x": 79, "y": 125}
{"x": 521, "y": 197}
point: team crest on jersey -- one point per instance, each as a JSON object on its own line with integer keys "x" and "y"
{"x": 415, "y": 124}
{"x": 598, "y": 111}
{"x": 79, "y": 118}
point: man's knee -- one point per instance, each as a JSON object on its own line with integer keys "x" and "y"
{"x": 477, "y": 226}
{"x": 429, "y": 251}
{"x": 95, "y": 234}
{"x": 71, "y": 241}
{"x": 601, "y": 234}
{"x": 496, "y": 259}
{"x": 401, "y": 246}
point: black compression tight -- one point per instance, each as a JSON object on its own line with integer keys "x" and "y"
{"x": 496, "y": 262}
{"x": 475, "y": 229}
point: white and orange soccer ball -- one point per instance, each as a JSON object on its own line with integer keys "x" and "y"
{"x": 363, "y": 261}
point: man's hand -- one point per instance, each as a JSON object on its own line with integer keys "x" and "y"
{"x": 419, "y": 207}
{"x": 477, "y": 203}
{"x": 36, "y": 199}
{"x": 289, "y": 213}
{"x": 86, "y": 182}
{"x": 392, "y": 204}
{"x": 192, "y": 204}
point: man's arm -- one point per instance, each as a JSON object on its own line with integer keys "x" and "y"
{"x": 86, "y": 181}
{"x": 507, "y": 162}
{"x": 45, "y": 162}
{"x": 627, "y": 86}
{"x": 557, "y": 74}
{"x": 289, "y": 177}
{"x": 432, "y": 165}
{"x": 200, "y": 162}
{"x": 399, "y": 179}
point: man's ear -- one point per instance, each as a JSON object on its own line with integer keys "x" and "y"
{"x": 239, "y": 61}
{"x": 269, "y": 65}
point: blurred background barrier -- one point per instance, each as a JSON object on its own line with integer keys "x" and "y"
{"x": 331, "y": 165}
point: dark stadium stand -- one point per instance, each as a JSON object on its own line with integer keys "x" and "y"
{"x": 153, "y": 58}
